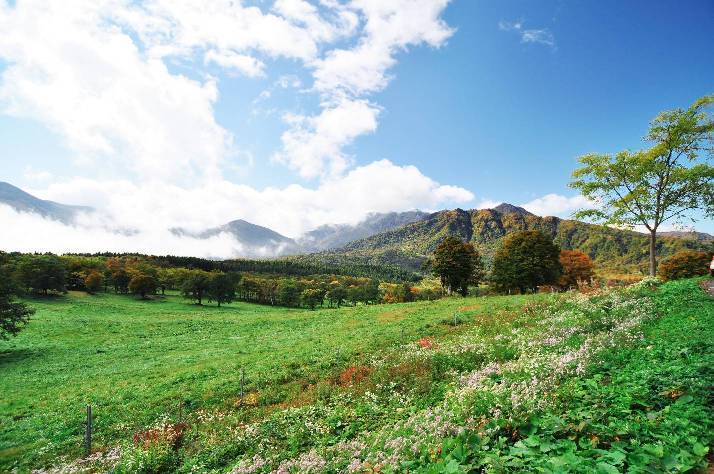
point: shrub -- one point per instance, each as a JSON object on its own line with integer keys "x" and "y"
{"x": 577, "y": 268}
{"x": 685, "y": 264}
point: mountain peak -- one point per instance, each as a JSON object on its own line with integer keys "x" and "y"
{"x": 24, "y": 202}
{"x": 506, "y": 208}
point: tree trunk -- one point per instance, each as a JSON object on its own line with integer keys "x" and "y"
{"x": 653, "y": 253}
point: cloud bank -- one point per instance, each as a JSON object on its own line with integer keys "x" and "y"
{"x": 131, "y": 89}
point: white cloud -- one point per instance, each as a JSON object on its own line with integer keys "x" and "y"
{"x": 487, "y": 204}
{"x": 102, "y": 75}
{"x": 91, "y": 85}
{"x": 247, "y": 65}
{"x": 557, "y": 205}
{"x": 541, "y": 36}
{"x": 313, "y": 144}
{"x": 344, "y": 77}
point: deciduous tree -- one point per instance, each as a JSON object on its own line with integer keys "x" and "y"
{"x": 13, "y": 315}
{"x": 142, "y": 285}
{"x": 577, "y": 267}
{"x": 457, "y": 264}
{"x": 195, "y": 285}
{"x": 662, "y": 183}
{"x": 526, "y": 260}
{"x": 93, "y": 282}
{"x": 222, "y": 289}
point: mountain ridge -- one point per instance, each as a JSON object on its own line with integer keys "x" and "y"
{"x": 410, "y": 245}
{"x": 23, "y": 201}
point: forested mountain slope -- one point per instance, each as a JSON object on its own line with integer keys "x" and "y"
{"x": 409, "y": 245}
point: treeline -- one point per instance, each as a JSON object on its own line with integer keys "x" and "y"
{"x": 199, "y": 280}
{"x": 302, "y": 265}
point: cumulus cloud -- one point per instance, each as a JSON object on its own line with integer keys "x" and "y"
{"x": 557, "y": 205}
{"x": 130, "y": 88}
{"x": 345, "y": 77}
{"x": 113, "y": 106}
{"x": 529, "y": 35}
{"x": 313, "y": 144}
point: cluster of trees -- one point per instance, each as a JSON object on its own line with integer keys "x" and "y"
{"x": 295, "y": 266}
{"x": 685, "y": 264}
{"x": 525, "y": 261}
{"x": 145, "y": 275}
{"x": 318, "y": 290}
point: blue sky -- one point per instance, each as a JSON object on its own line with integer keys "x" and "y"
{"x": 490, "y": 101}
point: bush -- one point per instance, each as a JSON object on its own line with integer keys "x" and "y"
{"x": 685, "y": 264}
{"x": 577, "y": 268}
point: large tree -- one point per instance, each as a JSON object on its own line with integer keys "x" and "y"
{"x": 457, "y": 264}
{"x": 142, "y": 284}
{"x": 526, "y": 260}
{"x": 195, "y": 285}
{"x": 13, "y": 315}
{"x": 42, "y": 273}
{"x": 222, "y": 288}
{"x": 662, "y": 183}
{"x": 577, "y": 268}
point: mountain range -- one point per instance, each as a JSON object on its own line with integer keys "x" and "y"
{"x": 25, "y": 202}
{"x": 612, "y": 249}
{"x": 405, "y": 239}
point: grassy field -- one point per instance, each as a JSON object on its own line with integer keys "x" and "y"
{"x": 135, "y": 361}
{"x": 616, "y": 381}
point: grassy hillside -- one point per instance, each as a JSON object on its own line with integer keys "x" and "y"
{"x": 135, "y": 361}
{"x": 408, "y": 246}
{"x": 608, "y": 383}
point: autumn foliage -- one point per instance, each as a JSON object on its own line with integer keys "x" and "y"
{"x": 685, "y": 264}
{"x": 577, "y": 268}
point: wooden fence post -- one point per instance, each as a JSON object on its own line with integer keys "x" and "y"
{"x": 88, "y": 432}
{"x": 241, "y": 382}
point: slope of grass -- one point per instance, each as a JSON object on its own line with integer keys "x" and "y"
{"x": 620, "y": 381}
{"x": 136, "y": 361}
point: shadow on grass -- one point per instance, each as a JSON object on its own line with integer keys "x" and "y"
{"x": 11, "y": 356}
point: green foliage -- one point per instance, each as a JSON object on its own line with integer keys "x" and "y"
{"x": 643, "y": 407}
{"x": 685, "y": 264}
{"x": 13, "y": 315}
{"x": 195, "y": 285}
{"x": 42, "y": 273}
{"x": 525, "y": 261}
{"x": 311, "y": 297}
{"x": 222, "y": 288}
{"x": 658, "y": 184}
{"x": 457, "y": 264}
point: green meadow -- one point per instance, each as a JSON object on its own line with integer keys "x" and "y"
{"x": 617, "y": 380}
{"x": 136, "y": 360}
